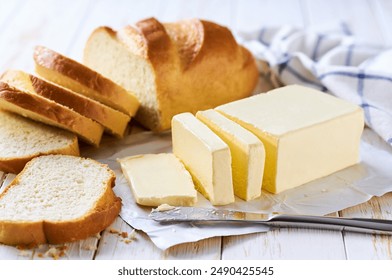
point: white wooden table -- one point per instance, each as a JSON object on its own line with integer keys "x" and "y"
{"x": 65, "y": 26}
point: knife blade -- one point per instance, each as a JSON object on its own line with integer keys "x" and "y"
{"x": 212, "y": 215}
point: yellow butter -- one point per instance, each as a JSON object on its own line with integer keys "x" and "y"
{"x": 205, "y": 156}
{"x": 247, "y": 153}
{"x": 307, "y": 134}
{"x": 157, "y": 179}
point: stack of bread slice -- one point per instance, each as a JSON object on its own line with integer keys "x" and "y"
{"x": 64, "y": 94}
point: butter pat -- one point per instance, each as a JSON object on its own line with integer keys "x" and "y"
{"x": 307, "y": 134}
{"x": 247, "y": 153}
{"x": 157, "y": 179}
{"x": 205, "y": 156}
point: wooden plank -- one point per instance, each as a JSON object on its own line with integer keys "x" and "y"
{"x": 39, "y": 23}
{"x": 219, "y": 11}
{"x": 8, "y": 10}
{"x": 256, "y": 14}
{"x": 129, "y": 12}
{"x": 285, "y": 244}
{"x": 112, "y": 246}
{"x": 367, "y": 246}
{"x": 114, "y": 15}
{"x": 360, "y": 18}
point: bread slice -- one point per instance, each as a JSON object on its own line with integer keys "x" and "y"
{"x": 22, "y": 139}
{"x": 47, "y": 111}
{"x": 114, "y": 121}
{"x": 58, "y": 199}
{"x": 172, "y": 68}
{"x": 72, "y": 75}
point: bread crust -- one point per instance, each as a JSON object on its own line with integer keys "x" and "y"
{"x": 85, "y": 76}
{"x": 97, "y": 219}
{"x": 54, "y": 113}
{"x": 198, "y": 65}
{"x": 114, "y": 121}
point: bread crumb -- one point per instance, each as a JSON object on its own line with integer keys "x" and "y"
{"x": 24, "y": 253}
{"x": 114, "y": 231}
{"x": 90, "y": 248}
{"x": 54, "y": 252}
{"x": 126, "y": 237}
{"x": 165, "y": 207}
{"x": 26, "y": 247}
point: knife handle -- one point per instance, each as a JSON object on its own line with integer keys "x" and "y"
{"x": 334, "y": 223}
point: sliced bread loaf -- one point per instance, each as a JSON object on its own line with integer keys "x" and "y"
{"x": 184, "y": 66}
{"x": 114, "y": 121}
{"x": 22, "y": 139}
{"x": 72, "y": 75}
{"x": 39, "y": 108}
{"x": 58, "y": 199}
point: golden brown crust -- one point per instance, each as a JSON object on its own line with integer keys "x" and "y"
{"x": 57, "y": 114}
{"x": 196, "y": 64}
{"x": 112, "y": 119}
{"x": 85, "y": 76}
{"x": 73, "y": 69}
{"x": 33, "y": 233}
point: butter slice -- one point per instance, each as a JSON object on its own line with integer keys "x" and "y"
{"x": 157, "y": 179}
{"x": 247, "y": 153}
{"x": 307, "y": 134}
{"x": 205, "y": 156}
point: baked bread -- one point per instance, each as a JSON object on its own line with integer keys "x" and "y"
{"x": 114, "y": 121}
{"x": 36, "y": 107}
{"x": 177, "y": 67}
{"x": 58, "y": 199}
{"x": 70, "y": 74}
{"x": 22, "y": 139}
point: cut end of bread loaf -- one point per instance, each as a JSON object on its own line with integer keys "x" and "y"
{"x": 114, "y": 121}
{"x": 186, "y": 66}
{"x": 57, "y": 199}
{"x": 71, "y": 74}
{"x": 22, "y": 139}
{"x": 36, "y": 107}
{"x": 127, "y": 69}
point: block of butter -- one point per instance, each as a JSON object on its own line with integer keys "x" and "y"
{"x": 205, "y": 156}
{"x": 157, "y": 179}
{"x": 307, "y": 134}
{"x": 247, "y": 153}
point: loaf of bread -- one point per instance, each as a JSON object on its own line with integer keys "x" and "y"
{"x": 22, "y": 139}
{"x": 29, "y": 104}
{"x": 114, "y": 121}
{"x": 177, "y": 67}
{"x": 58, "y": 199}
{"x": 70, "y": 74}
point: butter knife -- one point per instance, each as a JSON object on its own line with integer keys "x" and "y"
{"x": 210, "y": 215}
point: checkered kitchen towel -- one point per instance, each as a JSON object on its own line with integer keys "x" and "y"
{"x": 333, "y": 62}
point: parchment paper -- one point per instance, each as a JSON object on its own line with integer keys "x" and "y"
{"x": 346, "y": 188}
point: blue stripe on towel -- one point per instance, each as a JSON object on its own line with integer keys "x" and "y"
{"x": 389, "y": 140}
{"x": 320, "y": 37}
{"x": 361, "y": 80}
{"x": 355, "y": 75}
{"x": 303, "y": 79}
{"x": 346, "y": 30}
{"x": 261, "y": 39}
{"x": 349, "y": 55}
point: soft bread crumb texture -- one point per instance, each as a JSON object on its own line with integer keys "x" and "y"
{"x": 20, "y": 136}
{"x": 55, "y": 188}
